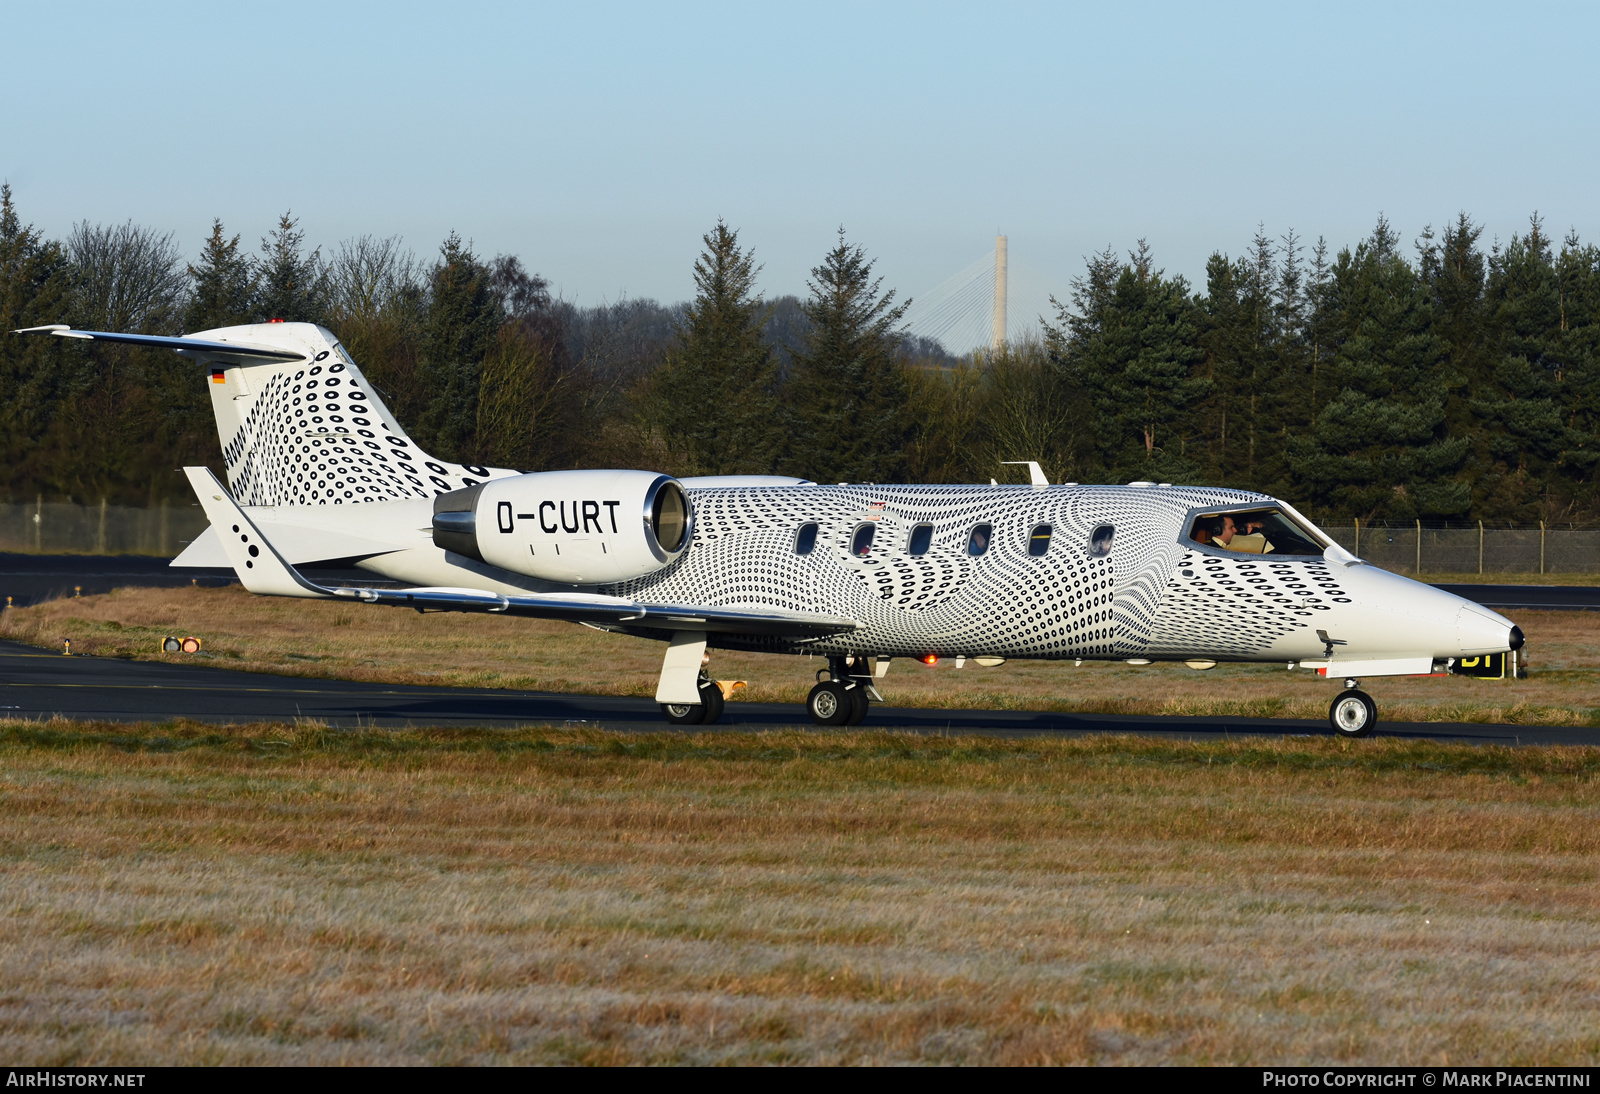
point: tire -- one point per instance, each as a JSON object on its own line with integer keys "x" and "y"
{"x": 1353, "y": 714}
{"x": 828, "y": 704}
{"x": 711, "y": 703}
{"x": 859, "y": 703}
{"x": 683, "y": 714}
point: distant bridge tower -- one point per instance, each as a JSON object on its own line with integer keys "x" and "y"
{"x": 999, "y": 291}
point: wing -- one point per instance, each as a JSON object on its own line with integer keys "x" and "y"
{"x": 262, "y": 569}
{"x": 237, "y": 352}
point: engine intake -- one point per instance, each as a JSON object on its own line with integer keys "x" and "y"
{"x": 573, "y": 527}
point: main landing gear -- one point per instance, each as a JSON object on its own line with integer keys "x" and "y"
{"x": 842, "y": 698}
{"x": 1353, "y": 713}
{"x": 705, "y": 713}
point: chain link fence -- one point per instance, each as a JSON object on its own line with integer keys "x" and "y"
{"x": 1417, "y": 549}
{"x": 62, "y": 528}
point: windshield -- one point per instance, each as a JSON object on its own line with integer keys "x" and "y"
{"x": 1265, "y": 531}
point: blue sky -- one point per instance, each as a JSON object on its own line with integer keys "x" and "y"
{"x": 598, "y": 141}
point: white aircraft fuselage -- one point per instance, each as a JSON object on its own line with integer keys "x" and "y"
{"x": 319, "y": 473}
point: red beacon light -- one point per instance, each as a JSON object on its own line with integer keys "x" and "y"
{"x": 930, "y": 659}
{"x": 274, "y": 320}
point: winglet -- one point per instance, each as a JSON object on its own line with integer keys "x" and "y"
{"x": 260, "y": 567}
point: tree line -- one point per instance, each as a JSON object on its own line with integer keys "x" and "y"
{"x": 1458, "y": 381}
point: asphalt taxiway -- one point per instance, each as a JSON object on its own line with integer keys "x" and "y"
{"x": 36, "y": 683}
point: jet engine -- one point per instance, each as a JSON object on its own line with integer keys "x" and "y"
{"x": 575, "y": 527}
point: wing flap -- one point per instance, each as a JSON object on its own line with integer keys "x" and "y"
{"x": 612, "y": 611}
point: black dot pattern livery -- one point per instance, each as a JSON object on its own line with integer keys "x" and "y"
{"x": 1064, "y": 602}
{"x": 315, "y": 432}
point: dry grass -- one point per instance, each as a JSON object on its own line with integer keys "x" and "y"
{"x": 324, "y": 639}
{"x": 291, "y": 895}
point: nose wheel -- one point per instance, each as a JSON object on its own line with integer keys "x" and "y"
{"x": 1353, "y": 713}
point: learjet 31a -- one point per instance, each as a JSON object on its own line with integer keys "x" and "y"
{"x": 319, "y": 472}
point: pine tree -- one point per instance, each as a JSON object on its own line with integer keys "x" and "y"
{"x": 223, "y": 285}
{"x": 1380, "y": 447}
{"x": 35, "y": 373}
{"x": 1515, "y": 392}
{"x": 847, "y": 392}
{"x": 292, "y": 287}
{"x": 713, "y": 401}
{"x": 1131, "y": 338}
{"x": 464, "y": 316}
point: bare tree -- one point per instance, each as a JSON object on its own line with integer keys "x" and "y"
{"x": 129, "y": 278}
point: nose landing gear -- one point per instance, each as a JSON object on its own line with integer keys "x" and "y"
{"x": 1353, "y": 713}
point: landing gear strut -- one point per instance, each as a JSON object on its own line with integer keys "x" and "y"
{"x": 844, "y": 697}
{"x": 1353, "y": 713}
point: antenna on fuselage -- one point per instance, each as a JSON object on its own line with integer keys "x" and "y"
{"x": 1036, "y": 475}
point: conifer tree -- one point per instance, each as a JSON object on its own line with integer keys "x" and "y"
{"x": 292, "y": 286}
{"x": 1131, "y": 337}
{"x": 713, "y": 400}
{"x": 222, "y": 293}
{"x": 1516, "y": 394}
{"x": 464, "y": 316}
{"x": 35, "y": 288}
{"x": 847, "y": 393}
{"x": 1380, "y": 447}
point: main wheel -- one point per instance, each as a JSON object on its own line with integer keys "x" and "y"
{"x": 858, "y": 705}
{"x": 828, "y": 704}
{"x": 684, "y": 714}
{"x": 710, "y": 702}
{"x": 1353, "y": 714}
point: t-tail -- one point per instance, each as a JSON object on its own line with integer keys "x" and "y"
{"x": 298, "y": 421}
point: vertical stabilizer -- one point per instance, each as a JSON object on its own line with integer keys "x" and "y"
{"x": 314, "y": 431}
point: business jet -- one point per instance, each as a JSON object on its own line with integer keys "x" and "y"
{"x": 320, "y": 472}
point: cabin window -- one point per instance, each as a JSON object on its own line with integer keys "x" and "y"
{"x": 920, "y": 540}
{"x": 1265, "y": 531}
{"x": 861, "y": 542}
{"x": 805, "y": 539}
{"x": 1039, "y": 540}
{"x": 978, "y": 541}
{"x": 1100, "y": 541}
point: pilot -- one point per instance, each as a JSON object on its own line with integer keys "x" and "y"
{"x": 1249, "y": 536}
{"x": 1214, "y": 531}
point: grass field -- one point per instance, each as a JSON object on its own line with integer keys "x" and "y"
{"x": 290, "y": 895}
{"x": 327, "y": 639}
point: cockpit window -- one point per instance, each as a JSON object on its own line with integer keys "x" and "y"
{"x": 978, "y": 541}
{"x": 1257, "y": 532}
{"x": 1100, "y": 541}
{"x": 861, "y": 542}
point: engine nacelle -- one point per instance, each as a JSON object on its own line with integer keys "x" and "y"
{"x": 575, "y": 527}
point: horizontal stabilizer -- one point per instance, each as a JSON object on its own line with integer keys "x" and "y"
{"x": 234, "y": 352}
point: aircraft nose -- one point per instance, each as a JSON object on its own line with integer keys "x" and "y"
{"x": 1480, "y": 630}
